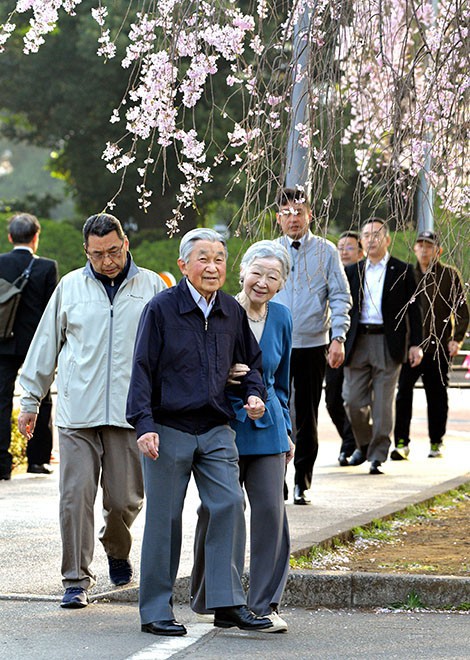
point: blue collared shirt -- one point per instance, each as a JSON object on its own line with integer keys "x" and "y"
{"x": 200, "y": 301}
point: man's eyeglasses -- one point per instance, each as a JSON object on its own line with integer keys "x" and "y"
{"x": 112, "y": 254}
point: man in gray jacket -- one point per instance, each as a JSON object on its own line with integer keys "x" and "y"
{"x": 87, "y": 332}
{"x": 317, "y": 294}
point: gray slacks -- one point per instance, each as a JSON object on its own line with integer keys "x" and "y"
{"x": 370, "y": 381}
{"x": 263, "y": 478}
{"x": 213, "y": 459}
{"x": 86, "y": 455}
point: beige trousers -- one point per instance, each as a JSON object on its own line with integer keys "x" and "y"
{"x": 106, "y": 456}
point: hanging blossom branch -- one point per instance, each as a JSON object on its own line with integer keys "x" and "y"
{"x": 388, "y": 75}
{"x": 406, "y": 78}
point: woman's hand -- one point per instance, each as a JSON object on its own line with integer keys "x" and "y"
{"x": 237, "y": 371}
{"x": 291, "y": 452}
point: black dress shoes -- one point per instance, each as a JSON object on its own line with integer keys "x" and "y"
{"x": 343, "y": 459}
{"x": 171, "y": 628}
{"x": 5, "y": 477}
{"x": 375, "y": 467}
{"x": 240, "y": 617}
{"x": 40, "y": 468}
{"x": 300, "y": 496}
{"x": 359, "y": 456}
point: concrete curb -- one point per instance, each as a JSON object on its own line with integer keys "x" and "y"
{"x": 338, "y": 590}
{"x": 332, "y": 589}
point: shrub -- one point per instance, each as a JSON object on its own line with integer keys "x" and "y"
{"x": 18, "y": 442}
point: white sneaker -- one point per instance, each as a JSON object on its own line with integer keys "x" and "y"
{"x": 279, "y": 625}
{"x": 204, "y": 618}
{"x": 400, "y": 453}
{"x": 435, "y": 451}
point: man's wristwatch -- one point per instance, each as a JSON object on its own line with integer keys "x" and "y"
{"x": 340, "y": 339}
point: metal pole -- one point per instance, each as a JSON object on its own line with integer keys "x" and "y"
{"x": 425, "y": 194}
{"x": 298, "y": 157}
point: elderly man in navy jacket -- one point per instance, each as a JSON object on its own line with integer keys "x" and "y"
{"x": 188, "y": 338}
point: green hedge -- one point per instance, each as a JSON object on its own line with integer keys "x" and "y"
{"x": 18, "y": 442}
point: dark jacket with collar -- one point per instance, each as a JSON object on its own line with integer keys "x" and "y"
{"x": 443, "y": 304}
{"x": 400, "y": 310}
{"x": 35, "y": 296}
{"x": 182, "y": 361}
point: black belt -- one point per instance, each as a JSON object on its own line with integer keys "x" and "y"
{"x": 371, "y": 329}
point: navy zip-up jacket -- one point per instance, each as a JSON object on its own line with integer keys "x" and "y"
{"x": 182, "y": 360}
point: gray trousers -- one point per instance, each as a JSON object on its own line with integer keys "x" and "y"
{"x": 106, "y": 455}
{"x": 263, "y": 478}
{"x": 370, "y": 381}
{"x": 213, "y": 459}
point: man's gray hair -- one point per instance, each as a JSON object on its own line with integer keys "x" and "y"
{"x": 199, "y": 234}
{"x": 267, "y": 250}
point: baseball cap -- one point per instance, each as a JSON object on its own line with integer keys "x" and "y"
{"x": 428, "y": 236}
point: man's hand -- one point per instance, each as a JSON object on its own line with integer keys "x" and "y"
{"x": 336, "y": 354}
{"x": 415, "y": 355}
{"x": 254, "y": 407}
{"x": 453, "y": 347}
{"x": 149, "y": 444}
{"x": 290, "y": 453}
{"x": 26, "y": 424}
{"x": 237, "y": 371}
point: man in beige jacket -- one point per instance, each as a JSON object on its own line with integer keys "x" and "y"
{"x": 87, "y": 332}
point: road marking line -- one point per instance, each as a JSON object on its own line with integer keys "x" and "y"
{"x": 165, "y": 647}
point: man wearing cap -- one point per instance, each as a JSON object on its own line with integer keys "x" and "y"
{"x": 445, "y": 320}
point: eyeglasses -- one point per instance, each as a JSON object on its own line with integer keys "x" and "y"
{"x": 112, "y": 254}
{"x": 347, "y": 248}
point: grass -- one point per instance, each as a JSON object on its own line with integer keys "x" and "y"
{"x": 377, "y": 530}
{"x": 412, "y": 602}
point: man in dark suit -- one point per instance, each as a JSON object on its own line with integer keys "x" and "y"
{"x": 385, "y": 331}
{"x": 23, "y": 233}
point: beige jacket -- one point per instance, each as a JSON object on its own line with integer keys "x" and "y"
{"x": 90, "y": 341}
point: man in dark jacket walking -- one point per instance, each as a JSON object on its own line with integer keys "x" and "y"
{"x": 385, "y": 332}
{"x": 188, "y": 338}
{"x": 23, "y": 233}
{"x": 445, "y": 318}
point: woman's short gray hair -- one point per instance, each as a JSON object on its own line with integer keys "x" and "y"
{"x": 199, "y": 234}
{"x": 267, "y": 250}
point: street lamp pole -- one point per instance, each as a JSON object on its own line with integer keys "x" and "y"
{"x": 298, "y": 157}
{"x": 425, "y": 194}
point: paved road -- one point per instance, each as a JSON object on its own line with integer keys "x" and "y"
{"x": 37, "y": 631}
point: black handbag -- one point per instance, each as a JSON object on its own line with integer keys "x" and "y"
{"x": 10, "y": 296}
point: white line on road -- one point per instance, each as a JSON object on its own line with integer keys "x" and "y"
{"x": 165, "y": 647}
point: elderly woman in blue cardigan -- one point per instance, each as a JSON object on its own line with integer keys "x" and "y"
{"x": 264, "y": 446}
